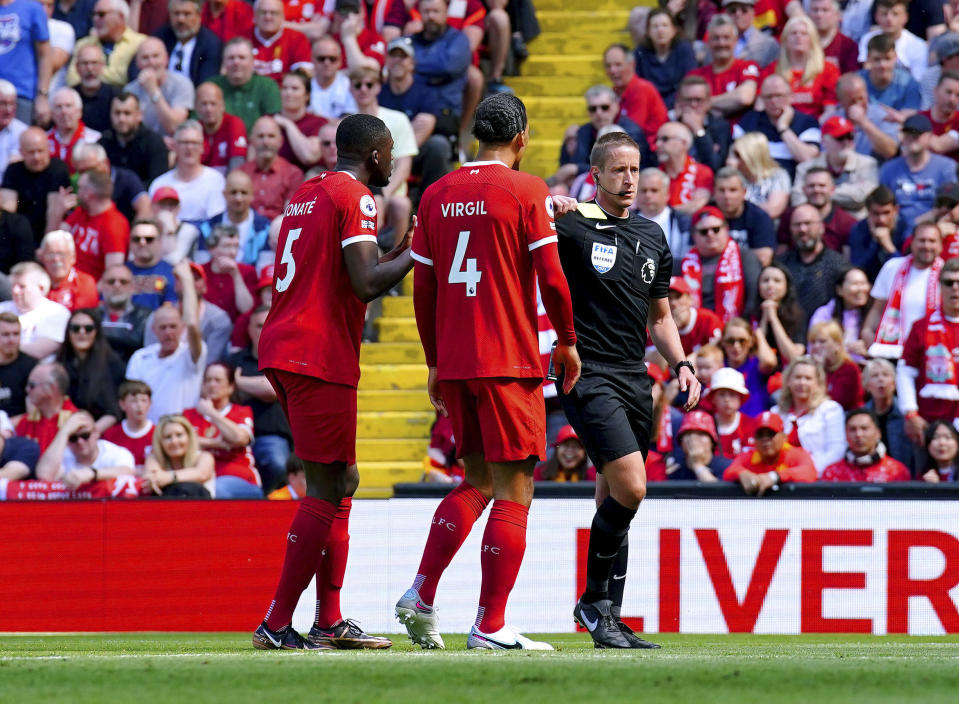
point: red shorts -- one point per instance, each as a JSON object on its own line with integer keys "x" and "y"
{"x": 503, "y": 419}
{"x": 322, "y": 416}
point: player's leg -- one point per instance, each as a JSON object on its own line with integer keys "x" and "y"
{"x": 617, "y": 573}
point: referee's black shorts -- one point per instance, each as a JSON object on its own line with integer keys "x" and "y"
{"x": 611, "y": 410}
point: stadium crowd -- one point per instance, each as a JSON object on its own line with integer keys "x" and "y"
{"x": 800, "y": 157}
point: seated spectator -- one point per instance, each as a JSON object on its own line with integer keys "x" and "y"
{"x": 153, "y": 278}
{"x": 252, "y": 227}
{"x": 943, "y": 56}
{"x": 717, "y": 269}
{"x": 130, "y": 144}
{"x": 275, "y": 180}
{"x": 172, "y": 367}
{"x": 15, "y": 366}
{"x": 697, "y": 326}
{"x": 638, "y": 98}
{"x": 727, "y": 394}
{"x": 327, "y": 160}
{"x": 166, "y": 97}
{"x": 865, "y": 459}
{"x": 68, "y": 287}
{"x": 330, "y": 95}
{"x": 195, "y": 50}
{"x": 277, "y": 49}
{"x": 295, "y": 487}
{"x": 226, "y": 430}
{"x": 94, "y": 92}
{"x": 701, "y": 455}
{"x": 944, "y": 117}
{"x": 42, "y": 321}
{"x": 228, "y": 18}
{"x": 847, "y": 309}
{"x": 843, "y": 379}
{"x": 30, "y": 185}
{"x": 888, "y": 82}
{"x": 749, "y": 225}
{"x": 734, "y": 82}
{"x": 301, "y": 145}
{"x": 793, "y": 136}
{"x": 811, "y": 419}
{"x": 135, "y": 431}
{"x": 691, "y": 183}
{"x": 665, "y": 56}
{"x": 879, "y": 382}
{"x": 248, "y": 95}
{"x": 877, "y": 131}
{"x": 837, "y": 47}
{"x": 231, "y": 285}
{"x": 811, "y": 79}
{"x": 123, "y": 321}
{"x": 905, "y": 291}
{"x": 818, "y": 188}
{"x": 569, "y": 463}
{"x": 77, "y": 455}
{"x": 767, "y": 183}
{"x": 873, "y": 241}
{"x": 942, "y": 448}
{"x": 95, "y": 370}
{"x": 910, "y": 50}
{"x": 712, "y": 134}
{"x": 129, "y": 194}
{"x": 779, "y": 319}
{"x": 119, "y": 41}
{"x": 264, "y": 297}
{"x": 18, "y": 456}
{"x": 199, "y": 188}
{"x": 775, "y": 460}
{"x": 100, "y": 232}
{"x": 176, "y": 466}
{"x": 812, "y": 265}
{"x": 10, "y": 127}
{"x": 68, "y": 128}
{"x": 753, "y": 44}
{"x": 224, "y": 135}
{"x": 652, "y": 198}
{"x": 854, "y": 175}
{"x": 708, "y": 359}
{"x": 48, "y": 404}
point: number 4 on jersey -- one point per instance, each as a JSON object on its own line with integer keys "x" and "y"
{"x": 458, "y": 275}
{"x": 287, "y": 258}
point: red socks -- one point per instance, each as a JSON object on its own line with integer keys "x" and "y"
{"x": 332, "y": 567}
{"x": 452, "y": 522}
{"x": 304, "y": 542}
{"x": 504, "y": 544}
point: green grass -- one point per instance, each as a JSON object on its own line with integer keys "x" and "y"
{"x": 222, "y": 667}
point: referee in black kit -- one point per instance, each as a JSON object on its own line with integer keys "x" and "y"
{"x": 618, "y": 266}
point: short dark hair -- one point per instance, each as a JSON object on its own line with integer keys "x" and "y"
{"x": 133, "y": 387}
{"x": 881, "y": 44}
{"x": 303, "y": 78}
{"x": 819, "y": 170}
{"x": 499, "y": 118}
{"x": 881, "y": 195}
{"x": 294, "y": 464}
{"x": 218, "y": 232}
{"x": 360, "y": 134}
{"x": 950, "y": 75}
{"x": 146, "y": 221}
{"x": 948, "y": 267}
{"x": 926, "y": 226}
{"x": 889, "y": 4}
{"x": 607, "y": 143}
{"x": 125, "y": 95}
{"x": 863, "y": 411}
{"x": 9, "y": 318}
{"x": 693, "y": 80}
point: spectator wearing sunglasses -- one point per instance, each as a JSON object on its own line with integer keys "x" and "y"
{"x": 152, "y": 277}
{"x": 78, "y": 455}
{"x": 49, "y": 405}
{"x": 124, "y": 322}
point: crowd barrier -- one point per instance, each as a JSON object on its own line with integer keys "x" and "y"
{"x": 863, "y": 560}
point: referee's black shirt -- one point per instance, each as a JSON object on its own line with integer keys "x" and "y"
{"x": 613, "y": 266}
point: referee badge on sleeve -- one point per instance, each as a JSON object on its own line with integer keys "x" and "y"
{"x": 603, "y": 257}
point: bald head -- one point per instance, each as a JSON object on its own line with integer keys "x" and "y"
{"x": 35, "y": 149}
{"x": 210, "y": 106}
{"x": 267, "y": 138}
{"x": 152, "y": 55}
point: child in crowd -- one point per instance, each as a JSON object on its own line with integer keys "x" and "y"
{"x": 135, "y": 431}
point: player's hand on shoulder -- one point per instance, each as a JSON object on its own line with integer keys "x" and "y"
{"x": 568, "y": 359}
{"x": 563, "y": 205}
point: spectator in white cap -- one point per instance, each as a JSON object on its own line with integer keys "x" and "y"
{"x": 727, "y": 393}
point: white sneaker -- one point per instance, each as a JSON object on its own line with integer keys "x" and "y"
{"x": 506, "y": 638}
{"x": 420, "y": 621}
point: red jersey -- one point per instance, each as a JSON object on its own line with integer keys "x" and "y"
{"x": 737, "y": 437}
{"x": 738, "y": 73}
{"x": 793, "y": 464}
{"x": 286, "y": 51}
{"x": 813, "y": 97}
{"x": 943, "y": 127}
{"x": 97, "y": 236}
{"x": 221, "y": 292}
{"x": 227, "y": 142}
{"x": 641, "y": 103}
{"x": 770, "y": 14}
{"x": 64, "y": 150}
{"x": 34, "y": 426}
{"x": 236, "y": 462}
{"x": 302, "y": 10}
{"x": 885, "y": 470}
{"x": 843, "y": 52}
{"x": 476, "y": 229}
{"x": 704, "y": 327}
{"x": 914, "y": 355}
{"x": 236, "y": 20}
{"x": 844, "y": 385}
{"x": 693, "y": 176}
{"x": 371, "y": 44}
{"x": 78, "y": 290}
{"x": 316, "y": 321}
{"x": 139, "y": 444}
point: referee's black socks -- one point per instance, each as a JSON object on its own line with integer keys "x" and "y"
{"x": 617, "y": 577}
{"x": 606, "y": 535}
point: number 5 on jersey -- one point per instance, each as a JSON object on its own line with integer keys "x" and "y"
{"x": 287, "y": 258}
{"x": 458, "y": 275}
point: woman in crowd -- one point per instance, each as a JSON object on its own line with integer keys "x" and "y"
{"x": 301, "y": 128}
{"x": 843, "y": 379}
{"x": 95, "y": 369}
{"x": 848, "y": 308}
{"x": 664, "y": 57}
{"x": 767, "y": 183}
{"x": 942, "y": 446}
{"x": 226, "y": 430}
{"x": 811, "y": 419}
{"x": 812, "y": 80}
{"x": 569, "y": 463}
{"x": 177, "y": 466}
{"x": 879, "y": 382}
{"x": 750, "y": 355}
{"x": 780, "y": 318}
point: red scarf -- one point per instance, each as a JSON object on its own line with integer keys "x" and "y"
{"x": 940, "y": 367}
{"x": 890, "y": 335}
{"x": 664, "y": 440}
{"x": 729, "y": 286}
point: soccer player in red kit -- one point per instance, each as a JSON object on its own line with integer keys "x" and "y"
{"x": 485, "y": 234}
{"x": 327, "y": 269}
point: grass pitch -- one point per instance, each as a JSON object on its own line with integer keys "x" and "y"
{"x": 222, "y": 667}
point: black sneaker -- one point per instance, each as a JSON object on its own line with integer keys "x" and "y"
{"x": 596, "y": 619}
{"x": 634, "y": 640}
{"x": 346, "y": 635}
{"x": 284, "y": 639}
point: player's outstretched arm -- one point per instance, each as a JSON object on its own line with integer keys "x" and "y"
{"x": 371, "y": 275}
{"x": 662, "y": 328}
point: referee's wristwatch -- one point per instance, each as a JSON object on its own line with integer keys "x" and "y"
{"x": 684, "y": 363}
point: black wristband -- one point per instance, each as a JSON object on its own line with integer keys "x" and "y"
{"x": 684, "y": 363}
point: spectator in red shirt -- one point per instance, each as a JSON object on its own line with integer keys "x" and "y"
{"x": 301, "y": 143}
{"x": 944, "y": 116}
{"x": 277, "y": 49}
{"x": 697, "y": 326}
{"x": 802, "y": 63}
{"x": 101, "y": 233}
{"x": 866, "y": 459}
{"x": 48, "y": 404}
{"x": 638, "y": 98}
{"x": 691, "y": 183}
{"x": 569, "y": 463}
{"x": 734, "y": 82}
{"x": 843, "y": 378}
{"x": 727, "y": 392}
{"x": 774, "y": 461}
{"x": 275, "y": 180}
{"x": 135, "y": 431}
{"x": 224, "y": 135}
{"x": 942, "y": 447}
{"x": 68, "y": 128}
{"x": 68, "y": 287}
{"x": 837, "y": 47}
{"x": 228, "y": 18}
{"x": 231, "y": 285}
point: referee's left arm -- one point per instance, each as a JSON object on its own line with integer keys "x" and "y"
{"x": 662, "y": 328}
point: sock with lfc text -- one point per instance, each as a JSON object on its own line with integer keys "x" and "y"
{"x": 452, "y": 522}
{"x": 304, "y": 543}
{"x": 504, "y": 544}
{"x": 617, "y": 577}
{"x": 610, "y": 526}
{"x": 332, "y": 567}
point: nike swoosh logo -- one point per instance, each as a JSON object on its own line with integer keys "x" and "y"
{"x": 618, "y": 577}
{"x": 590, "y": 625}
{"x": 273, "y": 640}
{"x": 603, "y": 227}
{"x": 607, "y": 557}
{"x": 427, "y": 609}
{"x": 505, "y": 646}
